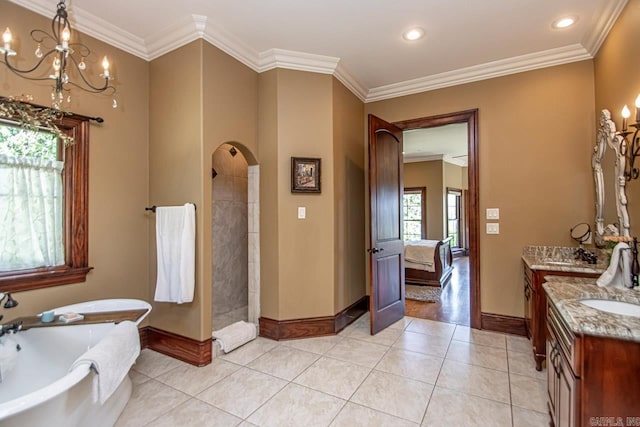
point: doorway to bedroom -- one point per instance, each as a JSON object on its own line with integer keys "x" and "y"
{"x": 440, "y": 210}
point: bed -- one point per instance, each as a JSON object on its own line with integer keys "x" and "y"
{"x": 428, "y": 262}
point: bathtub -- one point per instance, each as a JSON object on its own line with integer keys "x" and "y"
{"x": 41, "y": 391}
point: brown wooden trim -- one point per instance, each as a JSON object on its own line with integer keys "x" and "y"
{"x": 188, "y": 350}
{"x": 75, "y": 178}
{"x": 144, "y": 336}
{"x": 505, "y": 324}
{"x": 423, "y": 206}
{"x": 313, "y": 326}
{"x": 471, "y": 118}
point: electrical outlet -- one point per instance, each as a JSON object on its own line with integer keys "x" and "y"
{"x": 493, "y": 228}
{"x": 493, "y": 213}
{"x": 302, "y": 212}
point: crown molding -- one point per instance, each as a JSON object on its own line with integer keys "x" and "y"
{"x": 443, "y": 157}
{"x": 91, "y": 25}
{"x": 489, "y": 70}
{"x": 191, "y": 28}
{"x": 350, "y": 82}
{"x": 301, "y": 61}
{"x": 607, "y": 18}
{"x": 181, "y": 32}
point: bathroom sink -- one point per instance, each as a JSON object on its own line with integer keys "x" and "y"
{"x": 615, "y": 307}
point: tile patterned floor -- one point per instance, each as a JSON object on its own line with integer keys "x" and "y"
{"x": 416, "y": 373}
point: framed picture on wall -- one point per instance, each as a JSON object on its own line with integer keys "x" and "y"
{"x": 305, "y": 175}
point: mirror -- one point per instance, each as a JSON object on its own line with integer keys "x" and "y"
{"x": 609, "y": 186}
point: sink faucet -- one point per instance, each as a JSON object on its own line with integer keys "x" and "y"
{"x": 585, "y": 255}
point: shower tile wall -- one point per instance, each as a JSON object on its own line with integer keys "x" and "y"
{"x": 230, "y": 238}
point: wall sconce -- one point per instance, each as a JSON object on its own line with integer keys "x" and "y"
{"x": 630, "y": 149}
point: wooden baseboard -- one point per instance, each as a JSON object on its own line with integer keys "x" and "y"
{"x": 505, "y": 324}
{"x": 188, "y": 350}
{"x": 313, "y": 326}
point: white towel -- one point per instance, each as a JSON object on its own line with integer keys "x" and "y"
{"x": 615, "y": 274}
{"x": 235, "y": 335}
{"x": 176, "y": 249}
{"x": 111, "y": 359}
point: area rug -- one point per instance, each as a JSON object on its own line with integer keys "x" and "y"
{"x": 422, "y": 293}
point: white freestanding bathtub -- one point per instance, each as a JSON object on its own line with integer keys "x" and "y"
{"x": 41, "y": 391}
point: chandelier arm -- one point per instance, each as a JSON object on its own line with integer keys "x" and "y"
{"x": 42, "y": 38}
{"x": 35, "y": 67}
{"x": 94, "y": 89}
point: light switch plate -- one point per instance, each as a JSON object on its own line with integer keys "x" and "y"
{"x": 493, "y": 228}
{"x": 302, "y": 212}
{"x": 493, "y": 213}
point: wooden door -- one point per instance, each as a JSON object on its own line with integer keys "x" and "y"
{"x": 386, "y": 248}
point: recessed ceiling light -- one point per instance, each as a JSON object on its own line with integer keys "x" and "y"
{"x": 564, "y": 22}
{"x": 413, "y": 34}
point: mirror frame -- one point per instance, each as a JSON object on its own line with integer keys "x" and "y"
{"x": 607, "y": 135}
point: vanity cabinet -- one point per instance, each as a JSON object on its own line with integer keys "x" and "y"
{"x": 591, "y": 380}
{"x": 535, "y": 308}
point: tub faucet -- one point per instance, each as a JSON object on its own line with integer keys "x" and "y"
{"x": 10, "y": 328}
{"x": 10, "y": 301}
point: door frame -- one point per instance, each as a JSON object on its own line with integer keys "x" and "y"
{"x": 471, "y": 118}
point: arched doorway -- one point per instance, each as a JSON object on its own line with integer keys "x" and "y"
{"x": 235, "y": 236}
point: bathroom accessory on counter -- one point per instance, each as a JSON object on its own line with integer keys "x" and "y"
{"x": 235, "y": 335}
{"x": 629, "y": 263}
{"x": 47, "y": 316}
{"x": 618, "y": 274}
{"x": 176, "y": 251}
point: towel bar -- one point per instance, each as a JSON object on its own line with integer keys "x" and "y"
{"x": 154, "y": 207}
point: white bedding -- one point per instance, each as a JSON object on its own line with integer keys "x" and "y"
{"x": 419, "y": 254}
{"x": 429, "y": 267}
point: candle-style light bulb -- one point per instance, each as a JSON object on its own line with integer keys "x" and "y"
{"x": 6, "y": 38}
{"x": 105, "y": 66}
{"x": 66, "y": 35}
{"x": 638, "y": 109}
{"x": 626, "y": 113}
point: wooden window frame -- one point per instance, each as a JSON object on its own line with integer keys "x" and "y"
{"x": 423, "y": 196}
{"x": 458, "y": 193}
{"x": 75, "y": 181}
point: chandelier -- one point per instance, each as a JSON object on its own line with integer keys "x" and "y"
{"x": 630, "y": 148}
{"x": 66, "y": 60}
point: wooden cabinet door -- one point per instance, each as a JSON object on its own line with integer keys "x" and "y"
{"x": 566, "y": 394}
{"x": 528, "y": 304}
{"x": 551, "y": 379}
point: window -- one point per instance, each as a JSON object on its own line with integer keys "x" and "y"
{"x": 454, "y": 213}
{"x": 43, "y": 206}
{"x": 414, "y": 209}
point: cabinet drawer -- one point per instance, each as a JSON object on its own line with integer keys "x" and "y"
{"x": 566, "y": 340}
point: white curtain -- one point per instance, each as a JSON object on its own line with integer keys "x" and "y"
{"x": 31, "y": 210}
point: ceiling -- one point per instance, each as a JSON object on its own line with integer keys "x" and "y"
{"x": 448, "y": 143}
{"x": 358, "y": 41}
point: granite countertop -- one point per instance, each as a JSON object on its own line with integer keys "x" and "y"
{"x": 566, "y": 292}
{"x": 560, "y": 258}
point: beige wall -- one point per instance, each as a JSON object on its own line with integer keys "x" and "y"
{"x": 201, "y": 98}
{"x": 118, "y": 170}
{"x": 348, "y": 166}
{"x": 535, "y": 143}
{"x": 430, "y": 175}
{"x": 269, "y": 196}
{"x": 175, "y": 175}
{"x": 453, "y": 176}
{"x": 617, "y": 83}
